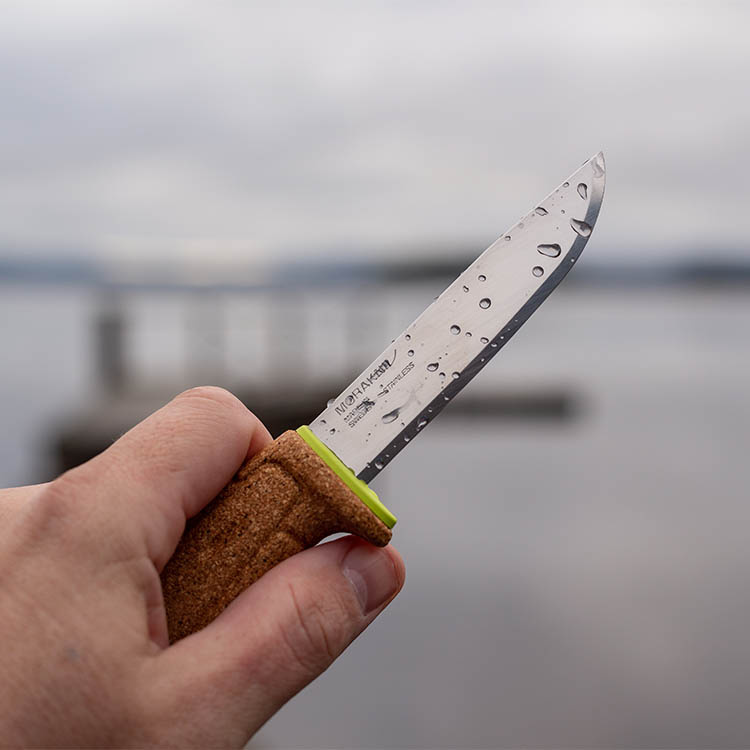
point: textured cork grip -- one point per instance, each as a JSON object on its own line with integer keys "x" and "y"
{"x": 280, "y": 502}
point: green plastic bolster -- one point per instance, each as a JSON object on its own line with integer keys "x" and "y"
{"x": 347, "y": 476}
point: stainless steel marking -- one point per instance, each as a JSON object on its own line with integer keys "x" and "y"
{"x": 510, "y": 288}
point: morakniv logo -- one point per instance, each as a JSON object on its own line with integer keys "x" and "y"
{"x": 358, "y": 391}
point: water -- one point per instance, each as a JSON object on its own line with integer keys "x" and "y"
{"x": 571, "y": 584}
{"x": 580, "y": 227}
{"x": 485, "y": 302}
{"x": 391, "y": 416}
{"x": 598, "y": 166}
{"x": 455, "y": 330}
{"x": 551, "y": 251}
{"x": 537, "y": 270}
{"x": 576, "y": 582}
{"x": 583, "y": 190}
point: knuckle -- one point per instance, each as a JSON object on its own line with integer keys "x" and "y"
{"x": 317, "y": 631}
{"x": 54, "y": 510}
{"x": 61, "y": 497}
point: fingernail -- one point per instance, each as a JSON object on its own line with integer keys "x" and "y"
{"x": 372, "y": 575}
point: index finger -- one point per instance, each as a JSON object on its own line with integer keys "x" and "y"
{"x": 168, "y": 467}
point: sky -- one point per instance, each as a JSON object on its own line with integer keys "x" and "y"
{"x": 235, "y": 133}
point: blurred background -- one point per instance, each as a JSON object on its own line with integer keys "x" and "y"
{"x": 261, "y": 195}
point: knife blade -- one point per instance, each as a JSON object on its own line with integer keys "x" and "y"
{"x": 407, "y": 386}
{"x": 312, "y": 482}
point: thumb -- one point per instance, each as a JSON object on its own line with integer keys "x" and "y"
{"x": 279, "y": 635}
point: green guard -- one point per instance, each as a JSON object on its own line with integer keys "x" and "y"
{"x": 347, "y": 476}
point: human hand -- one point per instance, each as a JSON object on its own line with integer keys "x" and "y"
{"x": 85, "y": 657}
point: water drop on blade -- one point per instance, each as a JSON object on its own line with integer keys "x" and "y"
{"x": 581, "y": 227}
{"x": 455, "y": 330}
{"x": 484, "y": 340}
{"x": 466, "y": 288}
{"x": 551, "y": 251}
{"x": 432, "y": 366}
{"x": 482, "y": 277}
{"x": 485, "y": 302}
{"x": 392, "y": 416}
{"x": 537, "y": 270}
{"x": 583, "y": 191}
{"x": 410, "y": 353}
{"x": 540, "y": 211}
{"x": 598, "y": 165}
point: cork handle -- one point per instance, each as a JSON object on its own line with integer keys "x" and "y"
{"x": 280, "y": 502}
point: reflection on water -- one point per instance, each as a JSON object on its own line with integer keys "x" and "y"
{"x": 574, "y": 582}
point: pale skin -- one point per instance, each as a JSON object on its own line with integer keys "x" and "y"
{"x": 84, "y": 654}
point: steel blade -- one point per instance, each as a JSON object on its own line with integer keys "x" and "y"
{"x": 408, "y": 385}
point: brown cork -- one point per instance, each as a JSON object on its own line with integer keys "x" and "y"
{"x": 280, "y": 502}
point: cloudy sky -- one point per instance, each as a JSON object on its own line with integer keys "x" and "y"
{"x": 234, "y": 131}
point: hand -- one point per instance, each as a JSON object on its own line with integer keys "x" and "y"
{"x": 84, "y": 656}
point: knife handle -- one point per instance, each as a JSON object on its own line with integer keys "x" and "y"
{"x": 286, "y": 498}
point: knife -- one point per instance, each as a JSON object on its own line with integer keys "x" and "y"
{"x": 312, "y": 482}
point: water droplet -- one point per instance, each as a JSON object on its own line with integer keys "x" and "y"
{"x": 408, "y": 337}
{"x": 494, "y": 344}
{"x": 330, "y": 402}
{"x": 465, "y": 288}
{"x": 410, "y": 352}
{"x": 406, "y": 438}
{"x": 551, "y": 251}
{"x": 583, "y": 191}
{"x": 455, "y": 375}
{"x": 581, "y": 227}
{"x": 455, "y": 330}
{"x": 332, "y": 430}
{"x": 349, "y": 400}
{"x": 485, "y": 302}
{"x": 322, "y": 421}
{"x": 541, "y": 211}
{"x": 566, "y": 184}
{"x": 507, "y": 237}
{"x": 432, "y": 366}
{"x": 562, "y": 210}
{"x": 468, "y": 334}
{"x": 422, "y": 422}
{"x": 446, "y": 398}
{"x": 537, "y": 270}
{"x": 484, "y": 340}
{"x": 482, "y": 277}
{"x": 378, "y": 464}
{"x": 442, "y": 376}
{"x": 598, "y": 165}
{"x": 392, "y": 416}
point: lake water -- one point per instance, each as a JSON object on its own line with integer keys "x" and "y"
{"x": 574, "y": 582}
